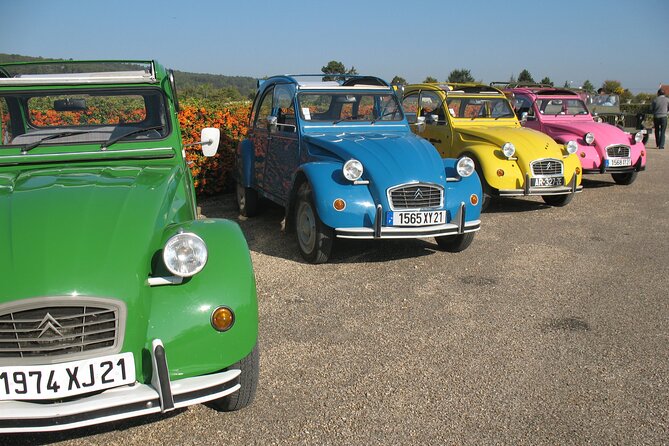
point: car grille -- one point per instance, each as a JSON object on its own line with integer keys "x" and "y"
{"x": 546, "y": 167}
{"x": 416, "y": 196}
{"x": 50, "y": 329}
{"x": 618, "y": 151}
{"x": 609, "y": 119}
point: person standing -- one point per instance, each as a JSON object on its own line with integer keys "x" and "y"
{"x": 660, "y": 109}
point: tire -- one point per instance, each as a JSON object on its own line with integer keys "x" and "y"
{"x": 624, "y": 178}
{"x": 558, "y": 200}
{"x": 455, "y": 243}
{"x": 248, "y": 380}
{"x": 313, "y": 237}
{"x": 247, "y": 200}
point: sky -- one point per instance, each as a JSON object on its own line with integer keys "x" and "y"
{"x": 568, "y": 41}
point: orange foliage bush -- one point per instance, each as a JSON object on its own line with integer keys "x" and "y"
{"x": 214, "y": 174}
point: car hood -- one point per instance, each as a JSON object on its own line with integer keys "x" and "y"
{"x": 90, "y": 231}
{"x": 388, "y": 159}
{"x": 530, "y": 144}
{"x": 605, "y": 134}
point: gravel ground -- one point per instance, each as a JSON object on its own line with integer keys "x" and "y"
{"x": 552, "y": 328}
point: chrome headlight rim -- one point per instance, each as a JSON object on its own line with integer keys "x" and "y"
{"x": 465, "y": 166}
{"x": 589, "y": 138}
{"x": 192, "y": 258}
{"x": 508, "y": 149}
{"x": 352, "y": 169}
{"x": 638, "y": 136}
{"x": 571, "y": 146}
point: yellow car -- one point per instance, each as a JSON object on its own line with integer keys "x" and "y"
{"x": 478, "y": 121}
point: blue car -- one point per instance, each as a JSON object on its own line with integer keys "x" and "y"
{"x": 338, "y": 154}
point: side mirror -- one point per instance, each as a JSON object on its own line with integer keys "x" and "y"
{"x": 523, "y": 117}
{"x": 70, "y": 105}
{"x": 272, "y": 123}
{"x": 210, "y": 138}
{"x": 420, "y": 124}
{"x": 431, "y": 119}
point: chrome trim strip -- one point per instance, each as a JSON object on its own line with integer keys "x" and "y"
{"x": 170, "y": 280}
{"x": 390, "y": 232}
{"x": 535, "y": 191}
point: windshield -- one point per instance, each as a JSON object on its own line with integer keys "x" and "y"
{"x": 610, "y": 100}
{"x": 561, "y": 107}
{"x": 37, "y": 118}
{"x": 474, "y": 107}
{"x": 349, "y": 106}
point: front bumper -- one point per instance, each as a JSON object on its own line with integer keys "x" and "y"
{"x": 458, "y": 225}
{"x": 571, "y": 188}
{"x": 162, "y": 395}
{"x": 603, "y": 168}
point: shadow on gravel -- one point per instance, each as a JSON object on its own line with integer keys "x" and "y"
{"x": 263, "y": 235}
{"x": 505, "y": 204}
{"x": 43, "y": 438}
{"x": 572, "y": 324}
{"x": 593, "y": 184}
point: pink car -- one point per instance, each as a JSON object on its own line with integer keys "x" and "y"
{"x": 562, "y": 115}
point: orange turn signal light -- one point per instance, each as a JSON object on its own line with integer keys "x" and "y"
{"x": 582, "y": 154}
{"x": 474, "y": 199}
{"x": 500, "y": 172}
{"x": 643, "y": 153}
{"x": 222, "y": 318}
{"x": 578, "y": 171}
{"x": 339, "y": 204}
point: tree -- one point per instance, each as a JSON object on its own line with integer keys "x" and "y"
{"x": 461, "y": 75}
{"x": 587, "y": 86}
{"x": 566, "y": 84}
{"x": 430, "y": 80}
{"x": 525, "y": 76}
{"x": 547, "y": 81}
{"x": 613, "y": 87}
{"x": 336, "y": 67}
{"x": 398, "y": 80}
{"x": 512, "y": 79}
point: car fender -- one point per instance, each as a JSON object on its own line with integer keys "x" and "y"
{"x": 192, "y": 345}
{"x": 327, "y": 184}
{"x": 245, "y": 162}
{"x": 460, "y": 190}
{"x": 490, "y": 159}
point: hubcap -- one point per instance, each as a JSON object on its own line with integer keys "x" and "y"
{"x": 306, "y": 227}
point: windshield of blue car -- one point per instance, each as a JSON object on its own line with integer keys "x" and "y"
{"x": 554, "y": 106}
{"x": 35, "y": 118}
{"x": 349, "y": 106}
{"x": 479, "y": 108}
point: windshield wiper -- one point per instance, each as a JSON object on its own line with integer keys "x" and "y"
{"x": 383, "y": 115}
{"x": 348, "y": 118}
{"x": 116, "y": 139}
{"x": 28, "y": 147}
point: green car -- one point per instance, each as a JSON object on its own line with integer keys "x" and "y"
{"x": 115, "y": 300}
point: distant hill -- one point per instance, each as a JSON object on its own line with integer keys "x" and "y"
{"x": 190, "y": 85}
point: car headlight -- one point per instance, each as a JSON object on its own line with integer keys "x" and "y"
{"x": 572, "y": 147}
{"x": 638, "y": 136}
{"x": 589, "y": 138}
{"x": 185, "y": 254}
{"x": 509, "y": 149}
{"x": 598, "y": 119}
{"x": 352, "y": 169}
{"x": 465, "y": 166}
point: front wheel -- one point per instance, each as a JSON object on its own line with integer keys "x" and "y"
{"x": 624, "y": 178}
{"x": 248, "y": 381}
{"x": 313, "y": 237}
{"x": 455, "y": 243}
{"x": 557, "y": 200}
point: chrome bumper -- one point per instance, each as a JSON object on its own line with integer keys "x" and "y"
{"x": 162, "y": 395}
{"x": 571, "y": 188}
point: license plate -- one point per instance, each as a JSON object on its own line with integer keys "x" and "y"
{"x": 53, "y": 381}
{"x": 417, "y": 218}
{"x": 619, "y": 162}
{"x": 547, "y": 182}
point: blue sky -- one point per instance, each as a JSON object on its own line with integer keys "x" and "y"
{"x": 565, "y": 40}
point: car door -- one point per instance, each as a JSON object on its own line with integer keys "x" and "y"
{"x": 283, "y": 153}
{"x": 259, "y": 137}
{"x": 437, "y": 131}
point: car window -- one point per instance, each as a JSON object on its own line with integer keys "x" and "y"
{"x": 349, "y": 106}
{"x": 430, "y": 104}
{"x": 562, "y": 107}
{"x": 284, "y": 109}
{"x": 523, "y": 104}
{"x": 475, "y": 107}
{"x": 410, "y": 103}
{"x": 5, "y": 131}
{"x": 264, "y": 110}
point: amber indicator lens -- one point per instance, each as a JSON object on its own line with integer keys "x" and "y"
{"x": 222, "y": 318}
{"x": 500, "y": 172}
{"x": 339, "y": 204}
{"x": 578, "y": 171}
{"x": 474, "y": 199}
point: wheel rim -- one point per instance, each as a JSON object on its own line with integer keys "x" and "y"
{"x": 306, "y": 227}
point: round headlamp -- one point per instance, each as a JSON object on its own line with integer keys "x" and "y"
{"x": 598, "y": 119}
{"x": 638, "y": 136}
{"x": 589, "y": 138}
{"x": 571, "y": 146}
{"x": 352, "y": 169}
{"x": 185, "y": 254}
{"x": 509, "y": 149}
{"x": 465, "y": 166}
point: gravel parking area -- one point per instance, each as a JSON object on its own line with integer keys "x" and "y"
{"x": 552, "y": 328}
